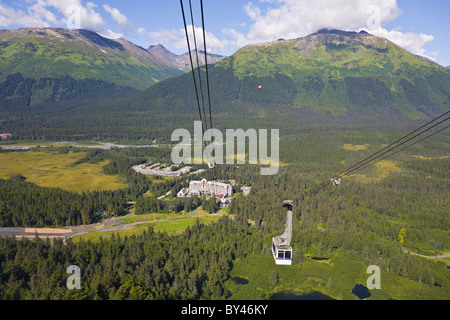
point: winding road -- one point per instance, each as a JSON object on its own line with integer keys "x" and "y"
{"x": 110, "y": 224}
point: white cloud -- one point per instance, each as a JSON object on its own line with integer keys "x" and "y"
{"x": 78, "y": 15}
{"x": 110, "y": 34}
{"x": 412, "y": 42}
{"x": 300, "y": 18}
{"x": 120, "y": 18}
{"x": 39, "y": 9}
{"x": 252, "y": 11}
{"x": 36, "y": 16}
{"x": 239, "y": 39}
{"x": 213, "y": 44}
{"x": 176, "y": 38}
{"x": 141, "y": 31}
{"x": 165, "y": 36}
{"x": 62, "y": 13}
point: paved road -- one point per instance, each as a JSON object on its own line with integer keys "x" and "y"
{"x": 430, "y": 257}
{"x": 109, "y": 225}
{"x": 101, "y": 145}
{"x": 23, "y": 232}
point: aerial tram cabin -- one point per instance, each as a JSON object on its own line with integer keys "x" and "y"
{"x": 281, "y": 245}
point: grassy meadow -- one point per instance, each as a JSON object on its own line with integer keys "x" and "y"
{"x": 52, "y": 168}
{"x": 334, "y": 277}
{"x": 162, "y": 224}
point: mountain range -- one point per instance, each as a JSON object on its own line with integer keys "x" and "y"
{"x": 331, "y": 72}
{"x": 182, "y": 62}
{"x": 60, "y": 64}
{"x": 326, "y": 78}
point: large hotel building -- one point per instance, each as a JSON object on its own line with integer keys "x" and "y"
{"x": 197, "y": 188}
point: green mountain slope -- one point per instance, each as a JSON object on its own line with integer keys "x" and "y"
{"x": 44, "y": 56}
{"x": 331, "y": 72}
{"x": 328, "y": 80}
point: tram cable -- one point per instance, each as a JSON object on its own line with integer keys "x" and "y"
{"x": 278, "y": 22}
{"x": 279, "y": 249}
{"x": 206, "y": 63}
{"x": 364, "y": 165}
{"x": 192, "y": 65}
{"x": 390, "y": 155}
{"x": 198, "y": 63}
{"x": 369, "y": 160}
{"x": 376, "y": 154}
{"x": 200, "y": 97}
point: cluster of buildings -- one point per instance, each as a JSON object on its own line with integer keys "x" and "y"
{"x": 158, "y": 169}
{"x": 214, "y": 188}
{"x": 221, "y": 190}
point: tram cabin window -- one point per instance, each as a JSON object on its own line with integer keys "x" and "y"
{"x": 280, "y": 254}
{"x": 287, "y": 254}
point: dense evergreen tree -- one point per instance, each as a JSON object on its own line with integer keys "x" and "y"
{"x": 153, "y": 265}
{"x": 376, "y": 219}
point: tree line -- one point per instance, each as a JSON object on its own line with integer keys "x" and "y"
{"x": 25, "y": 204}
{"x": 193, "y": 265}
{"x": 376, "y": 220}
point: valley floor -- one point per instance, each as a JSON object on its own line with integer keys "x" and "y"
{"x": 103, "y": 229}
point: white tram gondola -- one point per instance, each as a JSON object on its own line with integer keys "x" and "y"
{"x": 281, "y": 245}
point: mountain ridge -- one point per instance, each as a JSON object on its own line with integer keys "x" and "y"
{"x": 323, "y": 81}
{"x": 54, "y": 64}
{"x": 334, "y": 72}
{"x": 181, "y": 61}
{"x": 54, "y": 52}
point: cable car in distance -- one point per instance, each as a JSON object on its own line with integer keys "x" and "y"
{"x": 281, "y": 245}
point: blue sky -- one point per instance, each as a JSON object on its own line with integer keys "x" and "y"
{"x": 421, "y": 27}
